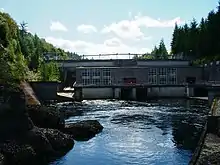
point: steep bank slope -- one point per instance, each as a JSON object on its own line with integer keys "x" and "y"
{"x": 30, "y": 96}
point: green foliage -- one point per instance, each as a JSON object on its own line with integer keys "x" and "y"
{"x": 198, "y": 41}
{"x": 158, "y": 53}
{"x": 13, "y": 65}
{"x": 49, "y": 72}
{"x": 161, "y": 52}
{"x": 22, "y": 54}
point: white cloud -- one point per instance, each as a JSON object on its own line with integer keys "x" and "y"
{"x": 113, "y": 45}
{"x": 131, "y": 29}
{"x": 86, "y": 28}
{"x": 124, "y": 29}
{"x": 2, "y": 9}
{"x": 113, "y": 42}
{"x": 57, "y": 26}
{"x": 150, "y": 22}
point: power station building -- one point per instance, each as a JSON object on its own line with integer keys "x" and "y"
{"x": 119, "y": 78}
{"x": 167, "y": 72}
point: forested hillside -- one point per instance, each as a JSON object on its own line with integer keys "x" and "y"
{"x": 199, "y": 41}
{"x": 22, "y": 53}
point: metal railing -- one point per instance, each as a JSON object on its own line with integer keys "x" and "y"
{"x": 116, "y": 55}
{"x": 146, "y": 84}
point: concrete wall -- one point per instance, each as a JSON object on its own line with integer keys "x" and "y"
{"x": 163, "y": 63}
{"x": 118, "y": 74}
{"x": 117, "y": 93}
{"x": 97, "y": 93}
{"x": 214, "y": 71}
{"x": 46, "y": 91}
{"x": 111, "y": 93}
{"x": 121, "y": 62}
{"x": 166, "y": 92}
{"x": 184, "y": 72}
{"x": 86, "y": 64}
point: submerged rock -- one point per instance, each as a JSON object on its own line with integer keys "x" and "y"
{"x": 66, "y": 113}
{"x": 46, "y": 117}
{"x": 59, "y": 141}
{"x": 38, "y": 140}
{"x": 38, "y": 144}
{"x": 49, "y": 141}
{"x": 83, "y": 130}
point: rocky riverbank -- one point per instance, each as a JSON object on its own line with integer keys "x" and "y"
{"x": 208, "y": 149}
{"x": 36, "y": 133}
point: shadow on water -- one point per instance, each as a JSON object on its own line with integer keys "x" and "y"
{"x": 153, "y": 132}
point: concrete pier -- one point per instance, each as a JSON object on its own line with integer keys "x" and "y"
{"x": 131, "y": 92}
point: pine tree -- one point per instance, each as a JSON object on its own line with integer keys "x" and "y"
{"x": 174, "y": 41}
{"x": 193, "y": 39}
{"x": 162, "y": 51}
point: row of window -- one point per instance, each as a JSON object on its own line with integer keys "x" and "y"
{"x": 96, "y": 76}
{"x": 96, "y": 72}
{"x": 162, "y": 76}
{"x": 96, "y": 82}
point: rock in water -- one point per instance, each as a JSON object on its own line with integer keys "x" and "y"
{"x": 23, "y": 143}
{"x": 83, "y": 130}
{"x": 45, "y": 117}
{"x": 37, "y": 139}
{"x": 37, "y": 145}
{"x": 60, "y": 142}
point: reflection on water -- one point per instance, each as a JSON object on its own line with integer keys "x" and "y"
{"x": 162, "y": 132}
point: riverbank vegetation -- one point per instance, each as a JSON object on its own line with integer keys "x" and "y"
{"x": 22, "y": 54}
{"x": 198, "y": 41}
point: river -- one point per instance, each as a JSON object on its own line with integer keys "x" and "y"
{"x": 163, "y": 132}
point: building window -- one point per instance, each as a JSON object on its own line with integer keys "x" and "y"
{"x": 106, "y": 72}
{"x": 86, "y": 81}
{"x": 85, "y": 72}
{"x": 162, "y": 75}
{"x": 152, "y": 76}
{"x": 172, "y": 74}
{"x": 106, "y": 82}
{"x": 95, "y": 72}
{"x": 106, "y": 76}
{"x": 96, "y": 81}
{"x": 96, "y": 76}
{"x": 85, "y": 76}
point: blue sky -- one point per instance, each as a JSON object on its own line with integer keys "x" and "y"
{"x": 106, "y": 26}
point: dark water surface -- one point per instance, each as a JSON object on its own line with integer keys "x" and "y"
{"x": 138, "y": 133}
